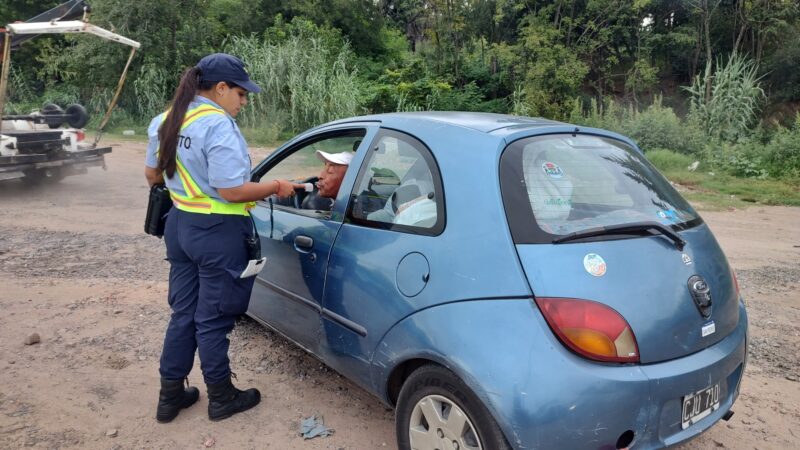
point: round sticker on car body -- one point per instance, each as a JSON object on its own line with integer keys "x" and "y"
{"x": 552, "y": 169}
{"x": 594, "y": 264}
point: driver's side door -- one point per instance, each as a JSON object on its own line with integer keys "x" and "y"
{"x": 287, "y": 294}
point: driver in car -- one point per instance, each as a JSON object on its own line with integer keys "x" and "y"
{"x": 330, "y": 179}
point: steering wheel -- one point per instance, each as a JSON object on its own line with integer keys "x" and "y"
{"x": 300, "y": 193}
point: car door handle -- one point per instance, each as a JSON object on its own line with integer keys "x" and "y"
{"x": 303, "y": 243}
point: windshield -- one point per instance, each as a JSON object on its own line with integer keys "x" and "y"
{"x": 560, "y": 184}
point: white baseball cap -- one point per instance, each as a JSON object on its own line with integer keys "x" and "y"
{"x": 342, "y": 158}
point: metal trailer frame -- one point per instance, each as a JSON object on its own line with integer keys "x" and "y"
{"x": 65, "y": 27}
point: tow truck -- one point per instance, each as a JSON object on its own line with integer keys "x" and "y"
{"x": 34, "y": 146}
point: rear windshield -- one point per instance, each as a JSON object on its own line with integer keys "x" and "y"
{"x": 559, "y": 184}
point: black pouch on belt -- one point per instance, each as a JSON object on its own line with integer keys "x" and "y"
{"x": 253, "y": 243}
{"x": 158, "y": 206}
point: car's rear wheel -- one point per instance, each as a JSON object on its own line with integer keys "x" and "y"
{"x": 437, "y": 411}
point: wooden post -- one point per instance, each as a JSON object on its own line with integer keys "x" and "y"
{"x": 4, "y": 73}
{"x": 116, "y": 97}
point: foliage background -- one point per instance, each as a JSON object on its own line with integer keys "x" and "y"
{"x": 716, "y": 81}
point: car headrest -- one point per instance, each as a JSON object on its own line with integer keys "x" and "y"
{"x": 549, "y": 188}
{"x": 405, "y": 193}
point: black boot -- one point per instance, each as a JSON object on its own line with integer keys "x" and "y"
{"x": 172, "y": 398}
{"x": 224, "y": 400}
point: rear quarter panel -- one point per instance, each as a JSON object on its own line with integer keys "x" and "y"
{"x": 541, "y": 395}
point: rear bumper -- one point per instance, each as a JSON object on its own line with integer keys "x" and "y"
{"x": 569, "y": 402}
{"x": 15, "y": 166}
{"x": 669, "y": 382}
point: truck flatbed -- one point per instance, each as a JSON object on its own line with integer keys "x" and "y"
{"x": 71, "y": 163}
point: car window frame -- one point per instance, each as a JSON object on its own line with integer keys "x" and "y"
{"x": 269, "y": 163}
{"x": 433, "y": 165}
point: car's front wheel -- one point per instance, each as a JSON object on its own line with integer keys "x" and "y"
{"x": 437, "y": 411}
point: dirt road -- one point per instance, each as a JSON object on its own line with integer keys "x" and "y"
{"x": 77, "y": 269}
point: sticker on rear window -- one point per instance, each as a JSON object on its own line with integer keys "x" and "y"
{"x": 552, "y": 170}
{"x": 556, "y": 201}
{"x": 668, "y": 214}
{"x": 594, "y": 264}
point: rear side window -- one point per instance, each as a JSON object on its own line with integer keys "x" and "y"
{"x": 559, "y": 184}
{"x": 398, "y": 187}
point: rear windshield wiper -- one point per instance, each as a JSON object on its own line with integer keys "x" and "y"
{"x": 623, "y": 229}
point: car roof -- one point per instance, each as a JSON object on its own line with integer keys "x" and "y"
{"x": 505, "y": 127}
{"x": 478, "y": 121}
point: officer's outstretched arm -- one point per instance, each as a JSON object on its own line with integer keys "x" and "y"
{"x": 250, "y": 192}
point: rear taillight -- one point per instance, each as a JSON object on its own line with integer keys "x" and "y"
{"x": 79, "y": 136}
{"x": 591, "y": 329}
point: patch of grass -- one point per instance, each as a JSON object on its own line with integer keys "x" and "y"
{"x": 714, "y": 201}
{"x": 263, "y": 136}
{"x": 723, "y": 191}
{"x": 116, "y": 134}
{"x": 669, "y": 160}
{"x": 767, "y": 192}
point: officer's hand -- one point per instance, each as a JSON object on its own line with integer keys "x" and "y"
{"x": 285, "y": 188}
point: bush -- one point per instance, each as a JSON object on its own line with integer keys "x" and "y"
{"x": 657, "y": 127}
{"x": 744, "y": 159}
{"x": 761, "y": 156}
{"x": 781, "y": 156}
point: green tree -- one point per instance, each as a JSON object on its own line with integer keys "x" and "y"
{"x": 360, "y": 21}
{"x": 553, "y": 73}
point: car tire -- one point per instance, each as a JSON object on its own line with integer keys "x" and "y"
{"x": 436, "y": 409}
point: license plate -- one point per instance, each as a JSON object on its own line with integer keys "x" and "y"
{"x": 699, "y": 405}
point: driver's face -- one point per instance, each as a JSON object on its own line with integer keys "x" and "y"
{"x": 330, "y": 179}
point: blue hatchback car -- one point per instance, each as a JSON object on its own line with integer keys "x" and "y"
{"x": 504, "y": 282}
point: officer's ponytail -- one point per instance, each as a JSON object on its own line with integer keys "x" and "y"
{"x": 168, "y": 133}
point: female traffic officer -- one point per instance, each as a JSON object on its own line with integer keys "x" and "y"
{"x": 197, "y": 149}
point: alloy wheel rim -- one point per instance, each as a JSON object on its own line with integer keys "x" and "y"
{"x": 437, "y": 423}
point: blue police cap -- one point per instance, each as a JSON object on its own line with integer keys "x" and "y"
{"x": 225, "y": 67}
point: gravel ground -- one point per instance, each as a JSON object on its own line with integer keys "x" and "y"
{"x": 79, "y": 254}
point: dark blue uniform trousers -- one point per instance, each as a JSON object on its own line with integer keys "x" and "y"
{"x": 207, "y": 253}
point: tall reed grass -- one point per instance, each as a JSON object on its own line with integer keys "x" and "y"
{"x": 153, "y": 90}
{"x": 736, "y": 94}
{"x": 304, "y": 83}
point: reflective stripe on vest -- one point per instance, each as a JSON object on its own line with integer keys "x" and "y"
{"x": 196, "y": 201}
